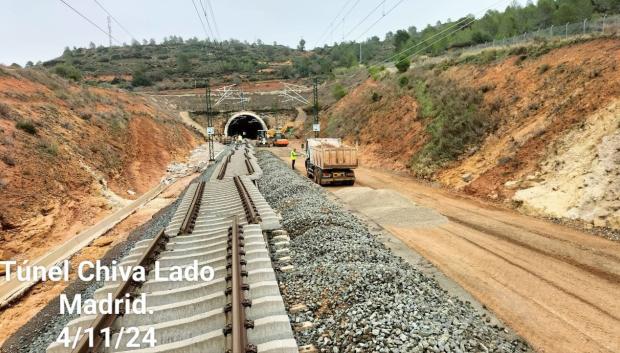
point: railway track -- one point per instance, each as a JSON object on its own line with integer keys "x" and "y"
{"x": 222, "y": 225}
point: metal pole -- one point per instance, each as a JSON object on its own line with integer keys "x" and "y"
{"x": 110, "y": 30}
{"x": 210, "y": 128}
{"x": 604, "y": 18}
{"x": 566, "y": 29}
{"x": 360, "y": 53}
{"x": 315, "y": 106}
{"x": 552, "y": 30}
{"x": 584, "y": 26}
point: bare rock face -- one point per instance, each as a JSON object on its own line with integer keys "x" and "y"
{"x": 583, "y": 179}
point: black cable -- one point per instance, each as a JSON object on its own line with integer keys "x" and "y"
{"x": 90, "y": 21}
{"x": 206, "y": 18}
{"x": 332, "y": 22}
{"x": 115, "y": 20}
{"x": 200, "y": 18}
{"x": 379, "y": 19}
{"x": 217, "y": 30}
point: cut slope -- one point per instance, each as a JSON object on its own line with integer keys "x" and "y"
{"x": 70, "y": 153}
{"x": 530, "y": 97}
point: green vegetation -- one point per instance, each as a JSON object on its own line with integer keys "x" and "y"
{"x": 48, "y": 147}
{"x": 455, "y": 122}
{"x": 187, "y": 63}
{"x": 68, "y": 71}
{"x": 27, "y": 126}
{"x": 403, "y": 64}
{"x": 338, "y": 91}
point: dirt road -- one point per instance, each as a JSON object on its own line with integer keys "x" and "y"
{"x": 555, "y": 286}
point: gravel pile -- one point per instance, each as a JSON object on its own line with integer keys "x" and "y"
{"x": 361, "y": 297}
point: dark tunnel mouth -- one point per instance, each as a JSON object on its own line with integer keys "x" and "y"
{"x": 246, "y": 126}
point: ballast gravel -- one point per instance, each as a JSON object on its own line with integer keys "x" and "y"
{"x": 360, "y": 296}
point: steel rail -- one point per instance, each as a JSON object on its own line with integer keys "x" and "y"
{"x": 192, "y": 213}
{"x": 103, "y": 321}
{"x": 237, "y": 324}
{"x": 248, "y": 205}
{"x": 222, "y": 172}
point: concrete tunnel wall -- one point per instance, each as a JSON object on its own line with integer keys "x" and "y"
{"x": 244, "y": 115}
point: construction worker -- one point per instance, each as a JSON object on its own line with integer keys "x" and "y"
{"x": 293, "y": 157}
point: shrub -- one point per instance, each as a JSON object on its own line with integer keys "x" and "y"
{"x": 543, "y": 68}
{"x": 27, "y": 126}
{"x": 338, "y": 91}
{"x": 375, "y": 71}
{"x": 403, "y": 63}
{"x": 6, "y": 111}
{"x": 403, "y": 81}
{"x": 68, "y": 72}
{"x": 8, "y": 160}
{"x": 376, "y": 97}
{"x": 48, "y": 147}
{"x": 140, "y": 79}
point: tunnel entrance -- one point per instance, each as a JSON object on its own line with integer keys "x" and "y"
{"x": 246, "y": 124}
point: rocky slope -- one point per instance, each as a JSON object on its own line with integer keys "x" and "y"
{"x": 536, "y": 127}
{"x": 70, "y": 153}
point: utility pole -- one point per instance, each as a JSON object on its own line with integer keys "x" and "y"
{"x": 110, "y": 30}
{"x": 315, "y": 109}
{"x": 210, "y": 128}
{"x": 360, "y": 53}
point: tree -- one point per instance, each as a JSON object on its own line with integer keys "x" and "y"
{"x": 139, "y": 78}
{"x": 302, "y": 45}
{"x": 183, "y": 63}
{"x": 68, "y": 71}
{"x": 29, "y": 64}
{"x": 92, "y": 45}
{"x": 400, "y": 38}
{"x": 403, "y": 63}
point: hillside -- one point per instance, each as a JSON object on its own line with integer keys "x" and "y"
{"x": 533, "y": 126}
{"x": 70, "y": 153}
{"x": 176, "y": 63}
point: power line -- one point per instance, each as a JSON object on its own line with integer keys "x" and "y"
{"x": 461, "y": 24}
{"x": 206, "y": 18}
{"x": 346, "y": 15}
{"x": 115, "y": 20}
{"x": 365, "y": 18}
{"x": 332, "y": 22}
{"x": 90, "y": 21}
{"x": 469, "y": 21}
{"x": 217, "y": 30}
{"x": 200, "y": 18}
{"x": 379, "y": 19}
{"x": 343, "y": 19}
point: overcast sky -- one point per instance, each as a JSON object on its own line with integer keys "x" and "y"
{"x": 40, "y": 29}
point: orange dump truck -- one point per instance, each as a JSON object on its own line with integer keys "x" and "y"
{"x": 329, "y": 161}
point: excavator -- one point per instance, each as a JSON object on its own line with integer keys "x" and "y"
{"x": 277, "y": 137}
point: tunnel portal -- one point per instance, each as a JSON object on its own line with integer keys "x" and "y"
{"x": 246, "y": 124}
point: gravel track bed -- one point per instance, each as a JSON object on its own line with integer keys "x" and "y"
{"x": 44, "y": 328}
{"x": 360, "y": 296}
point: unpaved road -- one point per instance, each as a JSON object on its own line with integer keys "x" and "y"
{"x": 555, "y": 286}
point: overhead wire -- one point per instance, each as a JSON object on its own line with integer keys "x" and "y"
{"x": 332, "y": 22}
{"x": 90, "y": 21}
{"x": 365, "y": 18}
{"x": 115, "y": 20}
{"x": 469, "y": 20}
{"x": 217, "y": 30}
{"x": 380, "y": 18}
{"x": 204, "y": 12}
{"x": 200, "y": 18}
